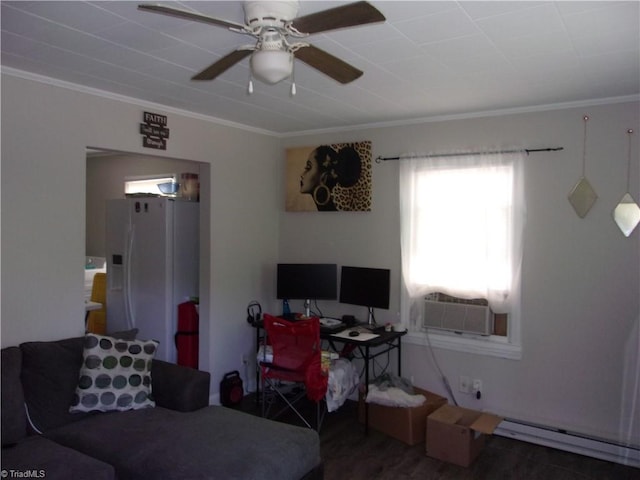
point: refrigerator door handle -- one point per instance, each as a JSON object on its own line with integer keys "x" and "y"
{"x": 131, "y": 320}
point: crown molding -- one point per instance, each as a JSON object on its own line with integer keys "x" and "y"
{"x": 386, "y": 124}
{"x": 472, "y": 115}
{"x": 132, "y": 100}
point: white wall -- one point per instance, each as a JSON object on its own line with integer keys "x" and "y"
{"x": 45, "y": 130}
{"x": 580, "y": 276}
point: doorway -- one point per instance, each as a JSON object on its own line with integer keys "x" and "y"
{"x": 106, "y": 171}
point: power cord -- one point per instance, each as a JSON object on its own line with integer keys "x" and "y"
{"x": 316, "y": 311}
{"x": 444, "y": 379}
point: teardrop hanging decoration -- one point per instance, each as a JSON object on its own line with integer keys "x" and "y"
{"x": 627, "y": 212}
{"x": 583, "y": 196}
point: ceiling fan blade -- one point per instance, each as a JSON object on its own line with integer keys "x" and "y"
{"x": 188, "y": 15}
{"x": 222, "y": 65}
{"x": 351, "y": 15}
{"x": 328, "y": 64}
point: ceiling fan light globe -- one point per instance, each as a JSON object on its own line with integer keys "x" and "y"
{"x": 271, "y": 66}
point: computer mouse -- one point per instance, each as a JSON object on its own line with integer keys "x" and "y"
{"x": 354, "y": 333}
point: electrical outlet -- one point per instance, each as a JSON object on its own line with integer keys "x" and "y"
{"x": 477, "y": 385}
{"x": 464, "y": 384}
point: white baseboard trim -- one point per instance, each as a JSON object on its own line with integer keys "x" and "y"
{"x": 596, "y": 448}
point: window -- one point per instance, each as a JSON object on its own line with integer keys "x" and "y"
{"x": 148, "y": 184}
{"x": 461, "y": 235}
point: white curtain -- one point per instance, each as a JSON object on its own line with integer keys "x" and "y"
{"x": 462, "y": 221}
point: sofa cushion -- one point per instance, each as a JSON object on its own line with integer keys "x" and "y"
{"x": 179, "y": 388}
{"x": 42, "y": 458}
{"x": 124, "y": 334}
{"x": 115, "y": 375}
{"x": 213, "y": 443}
{"x": 49, "y": 379}
{"x": 14, "y": 419}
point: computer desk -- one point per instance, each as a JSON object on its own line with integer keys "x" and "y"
{"x": 389, "y": 341}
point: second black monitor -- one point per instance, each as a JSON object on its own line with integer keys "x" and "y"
{"x": 367, "y": 287}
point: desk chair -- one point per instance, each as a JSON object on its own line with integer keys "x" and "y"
{"x": 97, "y": 319}
{"x": 296, "y": 360}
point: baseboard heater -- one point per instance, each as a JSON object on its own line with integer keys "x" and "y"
{"x": 570, "y": 442}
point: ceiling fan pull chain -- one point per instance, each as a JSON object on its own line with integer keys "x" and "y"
{"x": 250, "y": 87}
{"x": 293, "y": 80}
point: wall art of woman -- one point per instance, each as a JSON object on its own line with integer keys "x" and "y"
{"x": 332, "y": 178}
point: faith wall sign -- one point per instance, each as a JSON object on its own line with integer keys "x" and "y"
{"x": 154, "y": 131}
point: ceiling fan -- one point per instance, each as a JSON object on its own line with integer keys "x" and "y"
{"x": 277, "y": 31}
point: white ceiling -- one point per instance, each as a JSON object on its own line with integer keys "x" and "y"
{"x": 429, "y": 59}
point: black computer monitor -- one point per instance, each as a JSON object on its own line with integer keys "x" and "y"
{"x": 307, "y": 281}
{"x": 368, "y": 287}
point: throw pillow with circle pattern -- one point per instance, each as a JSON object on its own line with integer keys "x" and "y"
{"x": 115, "y": 375}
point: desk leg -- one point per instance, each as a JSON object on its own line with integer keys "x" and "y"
{"x": 257, "y": 367}
{"x": 399, "y": 357}
{"x": 366, "y": 390}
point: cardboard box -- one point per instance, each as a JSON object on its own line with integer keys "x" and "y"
{"x": 457, "y": 435}
{"x": 407, "y": 424}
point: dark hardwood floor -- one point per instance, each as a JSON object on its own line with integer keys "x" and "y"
{"x": 350, "y": 454}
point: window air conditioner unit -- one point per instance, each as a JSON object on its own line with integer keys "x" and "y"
{"x": 458, "y": 317}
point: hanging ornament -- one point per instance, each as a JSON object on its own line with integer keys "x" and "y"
{"x": 250, "y": 85}
{"x": 627, "y": 212}
{"x": 583, "y": 196}
{"x": 293, "y": 81}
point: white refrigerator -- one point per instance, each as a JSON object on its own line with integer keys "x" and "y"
{"x": 152, "y": 249}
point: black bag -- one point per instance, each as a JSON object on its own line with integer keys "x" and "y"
{"x": 231, "y": 391}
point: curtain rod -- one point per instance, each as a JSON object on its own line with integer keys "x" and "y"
{"x": 526, "y": 150}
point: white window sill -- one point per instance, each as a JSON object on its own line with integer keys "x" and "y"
{"x": 491, "y": 346}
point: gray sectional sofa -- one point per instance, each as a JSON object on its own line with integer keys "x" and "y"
{"x": 181, "y": 438}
